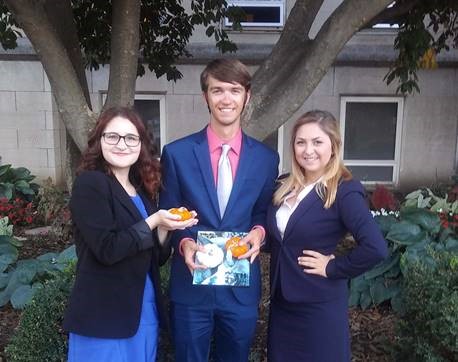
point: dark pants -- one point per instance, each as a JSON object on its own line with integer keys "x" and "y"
{"x": 231, "y": 323}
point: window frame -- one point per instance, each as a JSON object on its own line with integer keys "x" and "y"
{"x": 281, "y": 4}
{"x": 162, "y": 114}
{"x": 395, "y": 163}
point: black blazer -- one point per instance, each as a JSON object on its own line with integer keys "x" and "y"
{"x": 115, "y": 249}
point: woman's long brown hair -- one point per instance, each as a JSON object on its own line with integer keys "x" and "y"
{"x": 143, "y": 173}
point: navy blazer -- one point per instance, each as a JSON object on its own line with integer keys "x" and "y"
{"x": 115, "y": 249}
{"x": 313, "y": 227}
{"x": 188, "y": 181}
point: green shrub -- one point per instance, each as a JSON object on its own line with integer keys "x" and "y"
{"x": 429, "y": 329}
{"x": 39, "y": 336}
{"x": 15, "y": 182}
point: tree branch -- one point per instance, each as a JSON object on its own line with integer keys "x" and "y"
{"x": 125, "y": 40}
{"x": 68, "y": 92}
{"x": 281, "y": 103}
{"x": 61, "y": 17}
{"x": 294, "y": 35}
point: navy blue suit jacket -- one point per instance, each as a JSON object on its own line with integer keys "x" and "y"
{"x": 115, "y": 249}
{"x": 188, "y": 181}
{"x": 313, "y": 227}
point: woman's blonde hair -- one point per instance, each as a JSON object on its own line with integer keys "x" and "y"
{"x": 335, "y": 170}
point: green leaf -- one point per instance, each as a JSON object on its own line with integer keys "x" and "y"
{"x": 383, "y": 267}
{"x": 26, "y": 270}
{"x": 8, "y": 255}
{"x": 6, "y": 190}
{"x": 428, "y": 220}
{"x": 359, "y": 284}
{"x": 4, "y": 278}
{"x": 4, "y": 169}
{"x": 379, "y": 292}
{"x": 413, "y": 195}
{"x": 210, "y": 30}
{"x": 366, "y": 300}
{"x": 20, "y": 184}
{"x": 397, "y": 304}
{"x": 385, "y": 222}
{"x": 21, "y": 296}
{"x": 20, "y": 173}
{"x": 67, "y": 255}
{"x": 4, "y": 298}
{"x": 393, "y": 272}
{"x": 27, "y": 191}
{"x": 5, "y": 239}
{"x": 353, "y": 300}
{"x": 48, "y": 257}
{"x": 404, "y": 233}
{"x": 451, "y": 244}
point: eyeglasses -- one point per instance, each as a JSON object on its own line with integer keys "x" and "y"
{"x": 112, "y": 138}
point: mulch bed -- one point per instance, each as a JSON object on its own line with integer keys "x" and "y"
{"x": 372, "y": 330}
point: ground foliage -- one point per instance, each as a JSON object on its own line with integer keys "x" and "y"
{"x": 372, "y": 330}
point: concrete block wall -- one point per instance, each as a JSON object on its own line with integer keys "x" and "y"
{"x": 29, "y": 136}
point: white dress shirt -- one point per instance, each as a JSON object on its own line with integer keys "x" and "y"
{"x": 286, "y": 209}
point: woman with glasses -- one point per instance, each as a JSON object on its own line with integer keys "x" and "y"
{"x": 116, "y": 305}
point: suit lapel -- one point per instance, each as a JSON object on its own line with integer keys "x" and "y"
{"x": 124, "y": 198}
{"x": 243, "y": 169}
{"x": 304, "y": 206}
{"x": 202, "y": 155}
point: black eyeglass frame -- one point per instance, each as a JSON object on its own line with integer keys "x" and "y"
{"x": 119, "y": 139}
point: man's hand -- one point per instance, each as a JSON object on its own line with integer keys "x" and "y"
{"x": 254, "y": 239}
{"x": 188, "y": 249}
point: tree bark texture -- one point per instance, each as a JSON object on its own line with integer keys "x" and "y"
{"x": 125, "y": 40}
{"x": 297, "y": 64}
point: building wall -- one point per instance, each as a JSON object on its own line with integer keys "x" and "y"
{"x": 30, "y": 134}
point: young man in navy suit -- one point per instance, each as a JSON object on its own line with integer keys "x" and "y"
{"x": 190, "y": 179}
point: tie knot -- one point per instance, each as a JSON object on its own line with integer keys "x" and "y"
{"x": 225, "y": 149}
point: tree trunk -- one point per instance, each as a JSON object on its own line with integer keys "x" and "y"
{"x": 125, "y": 40}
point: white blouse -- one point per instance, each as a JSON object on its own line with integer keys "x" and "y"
{"x": 286, "y": 209}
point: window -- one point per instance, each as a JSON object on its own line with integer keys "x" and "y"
{"x": 152, "y": 111}
{"x": 371, "y": 135}
{"x": 268, "y": 13}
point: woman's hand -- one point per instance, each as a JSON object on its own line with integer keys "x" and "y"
{"x": 314, "y": 262}
{"x": 167, "y": 221}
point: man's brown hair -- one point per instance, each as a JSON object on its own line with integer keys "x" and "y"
{"x": 226, "y": 70}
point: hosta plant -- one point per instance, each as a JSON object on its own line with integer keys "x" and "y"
{"x": 19, "y": 280}
{"x": 409, "y": 236}
{"x": 16, "y": 182}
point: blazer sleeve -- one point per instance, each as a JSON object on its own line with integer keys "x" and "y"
{"x": 95, "y": 220}
{"x": 265, "y": 198}
{"x": 371, "y": 246}
{"x": 170, "y": 195}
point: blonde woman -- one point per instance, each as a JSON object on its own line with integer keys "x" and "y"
{"x": 313, "y": 208}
